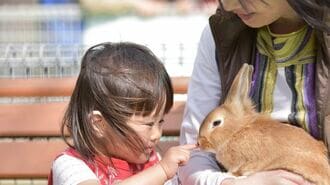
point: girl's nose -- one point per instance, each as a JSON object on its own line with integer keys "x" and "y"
{"x": 156, "y": 134}
{"x": 231, "y": 5}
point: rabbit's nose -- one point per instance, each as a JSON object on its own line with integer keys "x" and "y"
{"x": 197, "y": 144}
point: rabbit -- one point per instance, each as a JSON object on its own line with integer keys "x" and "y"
{"x": 246, "y": 142}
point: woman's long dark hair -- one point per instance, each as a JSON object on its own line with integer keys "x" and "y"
{"x": 311, "y": 11}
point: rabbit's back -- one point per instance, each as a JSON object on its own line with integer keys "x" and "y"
{"x": 266, "y": 144}
{"x": 246, "y": 141}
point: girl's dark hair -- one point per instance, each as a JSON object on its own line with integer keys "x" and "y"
{"x": 119, "y": 80}
{"x": 310, "y": 10}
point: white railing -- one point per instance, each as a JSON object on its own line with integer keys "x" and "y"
{"x": 55, "y": 60}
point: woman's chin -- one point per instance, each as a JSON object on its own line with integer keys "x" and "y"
{"x": 253, "y": 25}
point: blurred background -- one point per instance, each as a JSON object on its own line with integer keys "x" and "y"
{"x": 46, "y": 38}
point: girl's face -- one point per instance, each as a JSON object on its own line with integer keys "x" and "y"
{"x": 258, "y": 13}
{"x": 149, "y": 128}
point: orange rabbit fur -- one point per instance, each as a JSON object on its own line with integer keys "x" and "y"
{"x": 246, "y": 141}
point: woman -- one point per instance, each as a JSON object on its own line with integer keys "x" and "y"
{"x": 287, "y": 42}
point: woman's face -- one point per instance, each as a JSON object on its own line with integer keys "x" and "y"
{"x": 258, "y": 13}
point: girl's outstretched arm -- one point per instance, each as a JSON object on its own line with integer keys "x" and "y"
{"x": 165, "y": 169}
{"x": 159, "y": 173}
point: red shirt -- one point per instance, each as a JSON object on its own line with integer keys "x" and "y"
{"x": 108, "y": 173}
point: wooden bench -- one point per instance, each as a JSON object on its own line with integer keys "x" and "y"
{"x": 29, "y": 132}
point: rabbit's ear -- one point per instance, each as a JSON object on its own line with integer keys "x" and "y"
{"x": 239, "y": 91}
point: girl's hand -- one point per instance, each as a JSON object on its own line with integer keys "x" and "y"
{"x": 175, "y": 157}
{"x": 275, "y": 177}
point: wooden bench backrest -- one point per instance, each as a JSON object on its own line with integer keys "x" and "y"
{"x": 30, "y": 131}
{"x": 59, "y": 86}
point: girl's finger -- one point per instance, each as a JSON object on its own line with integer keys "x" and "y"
{"x": 189, "y": 146}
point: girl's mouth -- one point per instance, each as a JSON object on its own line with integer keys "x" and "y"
{"x": 149, "y": 149}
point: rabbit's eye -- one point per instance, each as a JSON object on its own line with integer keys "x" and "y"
{"x": 217, "y": 122}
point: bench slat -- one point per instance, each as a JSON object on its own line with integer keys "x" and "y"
{"x": 31, "y": 119}
{"x": 28, "y": 159}
{"x": 44, "y": 119}
{"x": 30, "y": 87}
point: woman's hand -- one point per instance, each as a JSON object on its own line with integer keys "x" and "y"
{"x": 275, "y": 177}
{"x": 175, "y": 157}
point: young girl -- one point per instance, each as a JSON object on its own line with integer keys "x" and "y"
{"x": 287, "y": 41}
{"x": 115, "y": 119}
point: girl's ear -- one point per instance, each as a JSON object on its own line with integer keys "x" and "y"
{"x": 96, "y": 116}
{"x": 98, "y": 123}
{"x": 238, "y": 95}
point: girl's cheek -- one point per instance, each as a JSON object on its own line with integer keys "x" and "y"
{"x": 143, "y": 134}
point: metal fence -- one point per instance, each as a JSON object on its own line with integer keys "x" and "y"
{"x": 58, "y": 60}
{"x": 39, "y": 60}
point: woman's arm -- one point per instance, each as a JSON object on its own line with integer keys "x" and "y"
{"x": 203, "y": 96}
{"x": 204, "y": 89}
{"x": 202, "y": 168}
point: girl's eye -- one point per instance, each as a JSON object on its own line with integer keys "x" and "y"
{"x": 161, "y": 122}
{"x": 150, "y": 124}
